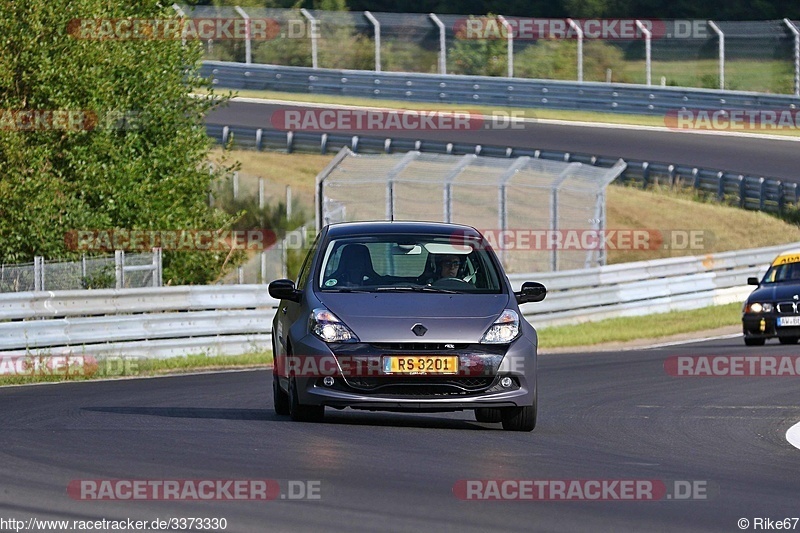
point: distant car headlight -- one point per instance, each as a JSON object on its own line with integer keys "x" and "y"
{"x": 328, "y": 327}
{"x": 757, "y": 307}
{"x": 504, "y": 330}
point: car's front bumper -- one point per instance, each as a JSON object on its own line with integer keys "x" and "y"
{"x": 477, "y": 385}
{"x": 764, "y": 326}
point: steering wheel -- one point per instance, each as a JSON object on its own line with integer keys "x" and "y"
{"x": 452, "y": 281}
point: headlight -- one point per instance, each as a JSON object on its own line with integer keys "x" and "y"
{"x": 504, "y": 330}
{"x": 757, "y": 307}
{"x": 328, "y": 327}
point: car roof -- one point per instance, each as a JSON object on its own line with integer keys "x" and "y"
{"x": 344, "y": 229}
{"x": 791, "y": 256}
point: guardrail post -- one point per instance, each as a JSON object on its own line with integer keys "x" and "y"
{"x": 314, "y": 34}
{"x": 645, "y": 174}
{"x": 696, "y": 178}
{"x": 647, "y": 50}
{"x": 119, "y": 268}
{"x": 671, "y": 172}
{"x": 721, "y": 53}
{"x": 323, "y": 144}
{"x": 579, "y": 32}
{"x": 796, "y": 33}
{"x": 742, "y": 192}
{"x": 289, "y": 141}
{"x": 442, "y": 43}
{"x": 510, "y": 44}
{"x": 720, "y": 185}
{"x": 377, "y": 26}
{"x": 259, "y": 139}
{"x": 781, "y": 199}
{"x": 248, "y": 56}
{"x": 761, "y": 193}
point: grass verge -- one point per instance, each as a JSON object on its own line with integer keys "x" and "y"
{"x": 641, "y": 327}
{"x": 131, "y": 367}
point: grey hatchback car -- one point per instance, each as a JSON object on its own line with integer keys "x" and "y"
{"x": 404, "y": 316}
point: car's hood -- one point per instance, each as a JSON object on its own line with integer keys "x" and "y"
{"x": 390, "y": 317}
{"x": 776, "y": 292}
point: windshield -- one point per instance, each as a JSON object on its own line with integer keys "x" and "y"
{"x": 407, "y": 263}
{"x": 784, "y": 272}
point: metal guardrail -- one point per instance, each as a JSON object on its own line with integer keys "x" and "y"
{"x": 230, "y": 319}
{"x": 646, "y": 287}
{"x": 750, "y": 192}
{"x": 485, "y": 90}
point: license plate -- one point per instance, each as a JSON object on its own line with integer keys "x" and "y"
{"x": 420, "y": 364}
{"x": 789, "y": 320}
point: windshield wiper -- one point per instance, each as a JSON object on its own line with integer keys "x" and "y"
{"x": 346, "y": 289}
{"x": 416, "y": 288}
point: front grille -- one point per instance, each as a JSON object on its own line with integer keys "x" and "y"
{"x": 787, "y": 308}
{"x": 420, "y": 385}
{"x": 418, "y": 346}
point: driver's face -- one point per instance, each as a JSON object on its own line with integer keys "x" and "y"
{"x": 449, "y": 266}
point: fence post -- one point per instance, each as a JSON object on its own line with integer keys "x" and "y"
{"x": 510, "y": 44}
{"x": 157, "y": 268}
{"x": 579, "y": 32}
{"x": 248, "y": 56}
{"x": 38, "y": 273}
{"x": 119, "y": 268}
{"x": 442, "y": 43}
{"x": 314, "y": 34}
{"x": 761, "y": 193}
{"x": 261, "y": 196}
{"x": 796, "y": 34}
{"x": 263, "y": 266}
{"x": 721, "y": 53}
{"x": 647, "y": 50}
{"x": 377, "y": 26}
{"x": 236, "y": 185}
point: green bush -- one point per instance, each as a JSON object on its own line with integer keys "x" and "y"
{"x": 145, "y": 173}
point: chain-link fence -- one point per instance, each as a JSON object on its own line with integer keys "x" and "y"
{"x": 118, "y": 271}
{"x": 527, "y": 208}
{"x": 750, "y": 55}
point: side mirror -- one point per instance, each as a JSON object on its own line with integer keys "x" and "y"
{"x": 752, "y": 281}
{"x": 531, "y": 292}
{"x": 283, "y": 289}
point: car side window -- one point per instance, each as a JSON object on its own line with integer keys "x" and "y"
{"x": 305, "y": 270}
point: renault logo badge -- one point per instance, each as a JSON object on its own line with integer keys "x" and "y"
{"x": 419, "y": 330}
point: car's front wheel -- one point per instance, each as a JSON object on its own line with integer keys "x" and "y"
{"x": 303, "y": 413}
{"x": 519, "y": 418}
{"x": 279, "y": 398}
{"x": 754, "y": 341}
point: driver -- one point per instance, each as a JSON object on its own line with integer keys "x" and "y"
{"x": 447, "y": 266}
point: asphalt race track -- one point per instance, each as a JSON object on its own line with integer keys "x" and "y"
{"x": 603, "y": 416}
{"x": 755, "y": 156}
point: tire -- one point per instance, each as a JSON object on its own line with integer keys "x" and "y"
{"x": 303, "y": 413}
{"x": 755, "y": 341}
{"x": 279, "y": 398}
{"x": 490, "y": 415}
{"x": 788, "y": 340}
{"x": 519, "y": 418}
